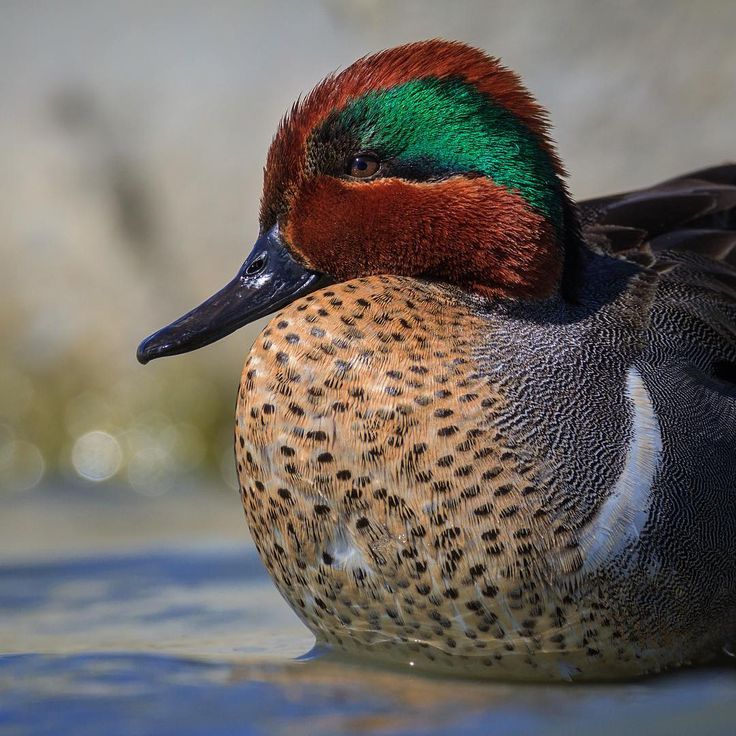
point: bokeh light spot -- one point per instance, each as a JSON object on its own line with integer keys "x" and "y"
{"x": 151, "y": 471}
{"x": 97, "y": 455}
{"x": 21, "y": 466}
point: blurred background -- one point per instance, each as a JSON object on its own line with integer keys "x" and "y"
{"x": 132, "y": 140}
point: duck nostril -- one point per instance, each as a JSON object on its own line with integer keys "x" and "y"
{"x": 256, "y": 266}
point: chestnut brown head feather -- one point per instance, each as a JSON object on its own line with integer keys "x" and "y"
{"x": 468, "y": 190}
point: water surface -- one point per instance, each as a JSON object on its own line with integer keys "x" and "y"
{"x": 150, "y": 633}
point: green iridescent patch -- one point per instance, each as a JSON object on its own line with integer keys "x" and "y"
{"x": 448, "y": 126}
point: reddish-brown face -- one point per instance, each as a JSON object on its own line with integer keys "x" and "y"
{"x": 429, "y": 160}
{"x": 461, "y": 230}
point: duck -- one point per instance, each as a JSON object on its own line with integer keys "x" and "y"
{"x": 489, "y": 431}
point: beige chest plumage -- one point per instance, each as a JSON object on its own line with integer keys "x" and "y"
{"x": 387, "y": 505}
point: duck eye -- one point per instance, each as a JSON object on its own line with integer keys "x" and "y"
{"x": 363, "y": 166}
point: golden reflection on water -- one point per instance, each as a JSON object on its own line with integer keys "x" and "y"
{"x": 407, "y": 702}
{"x": 348, "y": 680}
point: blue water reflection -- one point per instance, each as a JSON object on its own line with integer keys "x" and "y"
{"x": 198, "y": 642}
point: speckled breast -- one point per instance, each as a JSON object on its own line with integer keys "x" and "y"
{"x": 389, "y": 508}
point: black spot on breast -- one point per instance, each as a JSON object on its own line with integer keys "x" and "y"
{"x": 492, "y": 473}
{"x": 483, "y": 510}
{"x": 463, "y": 471}
{"x": 509, "y": 512}
{"x": 470, "y": 492}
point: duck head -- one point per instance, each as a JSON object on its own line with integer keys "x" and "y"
{"x": 429, "y": 160}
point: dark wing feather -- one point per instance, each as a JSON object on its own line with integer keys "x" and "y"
{"x": 695, "y": 213}
{"x": 685, "y": 229}
{"x": 717, "y": 244}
